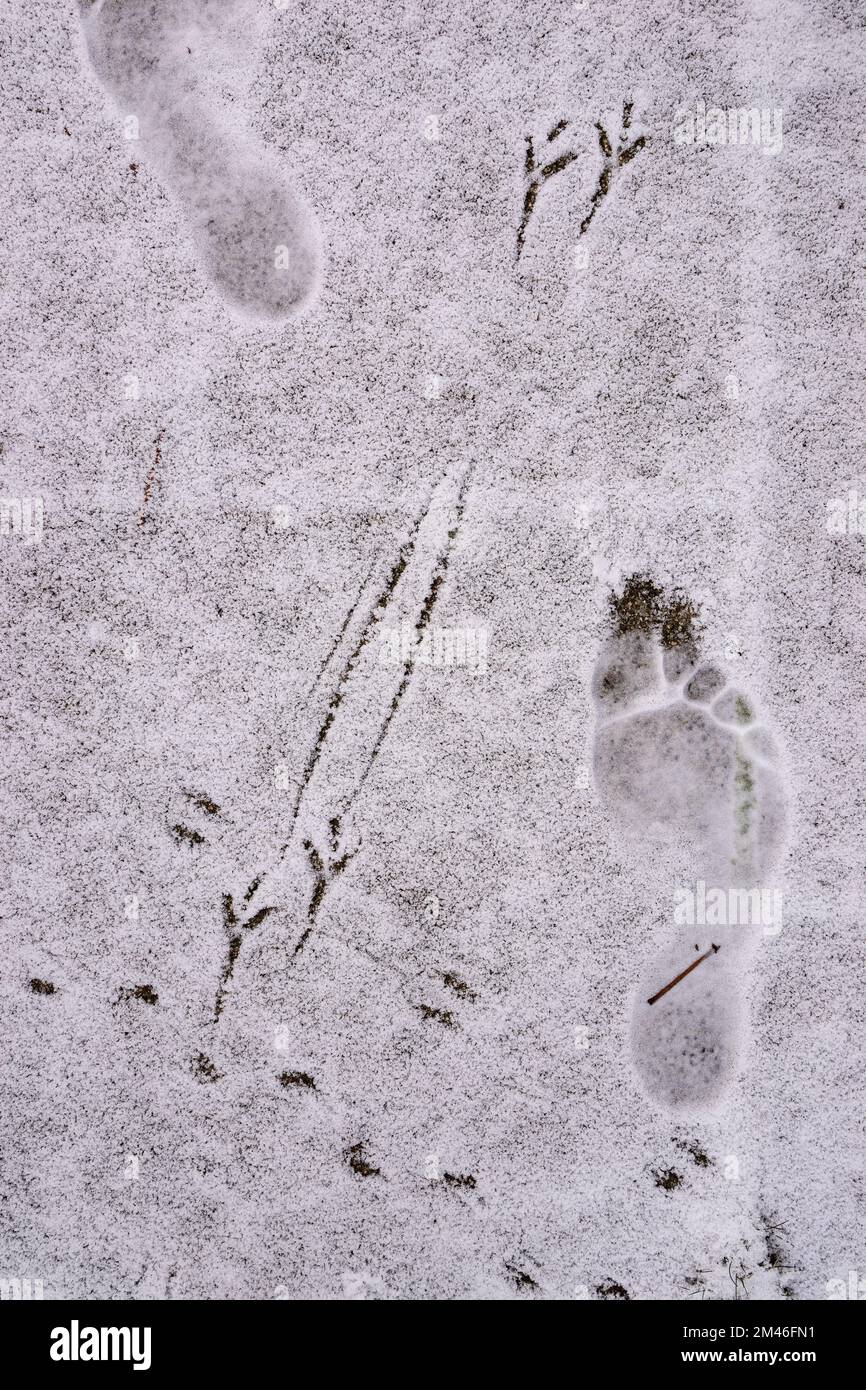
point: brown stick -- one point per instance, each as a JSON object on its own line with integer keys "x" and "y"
{"x": 683, "y": 973}
{"x": 152, "y": 477}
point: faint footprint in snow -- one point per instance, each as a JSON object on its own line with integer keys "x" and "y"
{"x": 683, "y": 766}
{"x": 257, "y": 238}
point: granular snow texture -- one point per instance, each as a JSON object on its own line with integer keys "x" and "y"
{"x": 364, "y": 365}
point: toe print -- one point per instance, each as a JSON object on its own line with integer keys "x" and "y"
{"x": 733, "y": 708}
{"x": 679, "y": 660}
{"x": 704, "y": 684}
{"x": 682, "y": 765}
{"x": 257, "y": 239}
{"x": 629, "y": 668}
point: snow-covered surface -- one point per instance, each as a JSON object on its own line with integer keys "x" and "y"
{"x": 413, "y": 1077}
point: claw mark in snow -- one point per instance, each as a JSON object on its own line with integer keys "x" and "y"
{"x": 234, "y": 931}
{"x": 333, "y": 805}
{"x": 537, "y": 173}
{"x": 423, "y": 621}
{"x": 325, "y": 872}
{"x": 624, "y": 154}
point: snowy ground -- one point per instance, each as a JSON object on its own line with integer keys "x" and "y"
{"x": 320, "y": 963}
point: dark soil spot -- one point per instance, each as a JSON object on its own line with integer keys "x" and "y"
{"x": 645, "y": 607}
{"x": 146, "y": 993}
{"x": 443, "y": 1016}
{"x": 638, "y": 607}
{"x": 701, "y": 1158}
{"x": 459, "y": 1179}
{"x": 204, "y": 1069}
{"x": 678, "y": 621}
{"x": 183, "y": 834}
{"x": 668, "y": 1179}
{"x": 458, "y": 986}
{"x": 297, "y": 1078}
{"x": 358, "y": 1163}
{"x": 611, "y": 1290}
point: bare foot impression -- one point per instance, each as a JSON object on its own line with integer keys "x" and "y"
{"x": 688, "y": 773}
{"x": 257, "y": 238}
